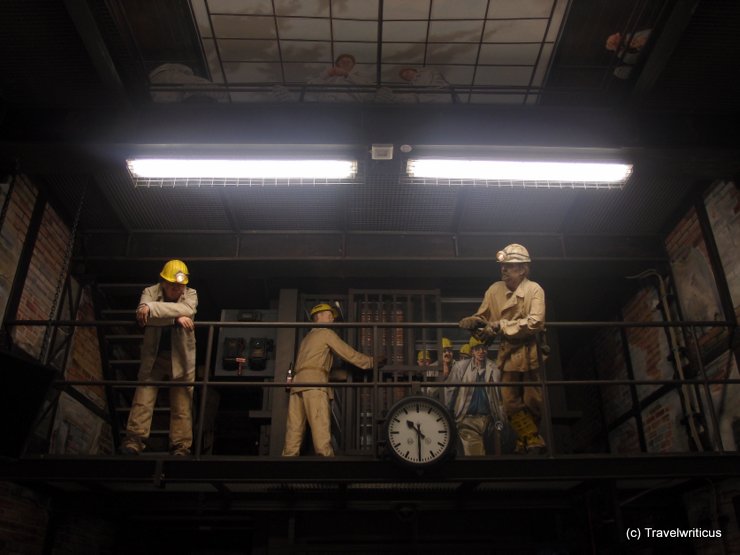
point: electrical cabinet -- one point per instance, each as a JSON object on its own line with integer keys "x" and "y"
{"x": 247, "y": 352}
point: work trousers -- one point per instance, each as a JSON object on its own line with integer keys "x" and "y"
{"x": 311, "y": 407}
{"x": 472, "y": 430}
{"x": 181, "y": 407}
{"x": 517, "y": 397}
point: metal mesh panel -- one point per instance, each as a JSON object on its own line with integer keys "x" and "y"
{"x": 385, "y": 204}
{"x": 288, "y": 207}
{"x": 509, "y": 209}
{"x": 158, "y": 208}
{"x": 96, "y": 213}
{"x": 633, "y": 211}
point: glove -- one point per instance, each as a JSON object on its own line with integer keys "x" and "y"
{"x": 382, "y": 361}
{"x": 485, "y": 334}
{"x": 471, "y": 322}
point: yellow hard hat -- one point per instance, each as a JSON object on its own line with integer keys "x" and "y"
{"x": 514, "y": 253}
{"x": 322, "y": 307}
{"x": 474, "y": 342}
{"x": 446, "y": 343}
{"x": 423, "y": 355}
{"x": 175, "y": 271}
{"x": 465, "y": 350}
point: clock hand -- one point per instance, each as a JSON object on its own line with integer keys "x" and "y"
{"x": 419, "y": 436}
{"x": 416, "y": 428}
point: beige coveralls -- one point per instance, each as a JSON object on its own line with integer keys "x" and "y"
{"x": 176, "y": 364}
{"x": 520, "y": 314}
{"x": 311, "y": 403}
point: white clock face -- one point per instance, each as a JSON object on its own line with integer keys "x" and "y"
{"x": 419, "y": 431}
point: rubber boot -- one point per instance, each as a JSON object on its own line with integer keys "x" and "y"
{"x": 536, "y": 445}
{"x": 521, "y": 447}
{"x": 529, "y": 440}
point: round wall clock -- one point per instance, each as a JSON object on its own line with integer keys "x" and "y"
{"x": 420, "y": 431}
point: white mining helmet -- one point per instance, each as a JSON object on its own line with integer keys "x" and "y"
{"x": 513, "y": 254}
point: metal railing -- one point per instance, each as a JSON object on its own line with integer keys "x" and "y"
{"x": 378, "y": 383}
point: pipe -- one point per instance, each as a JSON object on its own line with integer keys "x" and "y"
{"x": 688, "y": 395}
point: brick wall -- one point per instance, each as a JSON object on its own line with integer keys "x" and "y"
{"x": 648, "y": 347}
{"x": 13, "y": 234}
{"x": 84, "y": 358}
{"x": 76, "y": 430}
{"x": 695, "y": 281}
{"x": 624, "y": 439}
{"x": 37, "y": 298}
{"x": 723, "y": 208}
{"x": 725, "y": 399}
{"x": 39, "y": 290}
{"x": 650, "y": 350}
{"x": 722, "y": 202}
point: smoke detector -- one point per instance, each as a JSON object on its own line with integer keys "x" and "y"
{"x": 382, "y": 152}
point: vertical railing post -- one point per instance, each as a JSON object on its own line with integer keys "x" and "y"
{"x": 204, "y": 394}
{"x": 545, "y": 397}
{"x": 633, "y": 388}
{"x": 375, "y": 404}
{"x": 718, "y": 444}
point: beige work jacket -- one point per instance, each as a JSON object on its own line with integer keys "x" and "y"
{"x": 520, "y": 315}
{"x": 162, "y": 314}
{"x": 316, "y": 355}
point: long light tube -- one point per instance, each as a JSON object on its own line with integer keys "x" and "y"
{"x": 587, "y": 172}
{"x": 173, "y": 168}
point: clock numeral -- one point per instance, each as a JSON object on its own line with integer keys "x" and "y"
{"x": 440, "y": 444}
{"x": 442, "y": 432}
{"x": 396, "y": 420}
{"x": 397, "y": 445}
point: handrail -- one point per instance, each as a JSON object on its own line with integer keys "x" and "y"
{"x": 410, "y": 372}
{"x": 263, "y": 324}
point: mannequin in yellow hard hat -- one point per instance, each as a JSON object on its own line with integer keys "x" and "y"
{"x": 465, "y": 351}
{"x": 423, "y": 358}
{"x": 477, "y": 410}
{"x": 309, "y": 404}
{"x": 166, "y": 313}
{"x": 514, "y": 309}
{"x": 430, "y": 372}
{"x": 448, "y": 357}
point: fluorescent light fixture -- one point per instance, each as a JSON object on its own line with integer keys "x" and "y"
{"x": 511, "y": 170}
{"x": 182, "y": 168}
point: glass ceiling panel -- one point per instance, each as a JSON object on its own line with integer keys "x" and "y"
{"x": 473, "y": 49}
